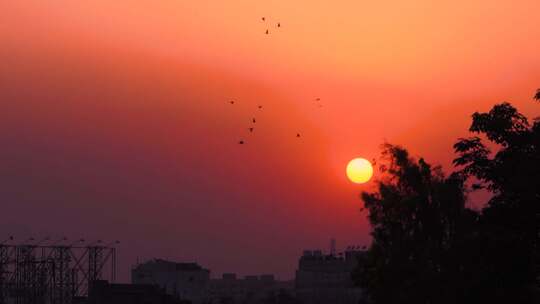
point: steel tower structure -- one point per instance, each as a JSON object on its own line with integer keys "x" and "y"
{"x": 52, "y": 274}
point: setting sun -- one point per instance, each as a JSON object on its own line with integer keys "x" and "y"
{"x": 359, "y": 170}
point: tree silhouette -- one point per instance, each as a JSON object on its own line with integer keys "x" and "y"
{"x": 417, "y": 216}
{"x": 429, "y": 248}
{"x": 509, "y": 223}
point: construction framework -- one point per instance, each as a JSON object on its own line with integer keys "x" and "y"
{"x": 53, "y": 274}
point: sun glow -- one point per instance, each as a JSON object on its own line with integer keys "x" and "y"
{"x": 359, "y": 170}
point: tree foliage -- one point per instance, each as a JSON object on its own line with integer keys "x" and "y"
{"x": 417, "y": 215}
{"x": 429, "y": 248}
{"x": 509, "y": 222}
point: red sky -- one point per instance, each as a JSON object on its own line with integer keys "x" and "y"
{"x": 115, "y": 121}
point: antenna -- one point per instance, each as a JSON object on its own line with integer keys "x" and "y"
{"x": 332, "y": 246}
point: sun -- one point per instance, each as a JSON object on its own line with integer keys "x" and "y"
{"x": 359, "y": 170}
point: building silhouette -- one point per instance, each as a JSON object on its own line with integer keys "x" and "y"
{"x": 326, "y": 278}
{"x": 103, "y": 292}
{"x": 187, "y": 281}
{"x": 249, "y": 289}
{"x": 191, "y": 282}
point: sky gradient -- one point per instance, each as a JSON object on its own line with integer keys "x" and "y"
{"x": 115, "y": 121}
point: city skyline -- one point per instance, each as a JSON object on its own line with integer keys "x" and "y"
{"x": 116, "y": 121}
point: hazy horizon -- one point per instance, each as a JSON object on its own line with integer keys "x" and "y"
{"x": 116, "y": 122}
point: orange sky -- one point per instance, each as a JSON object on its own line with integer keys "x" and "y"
{"x": 116, "y": 112}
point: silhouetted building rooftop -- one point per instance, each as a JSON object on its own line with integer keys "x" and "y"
{"x": 102, "y": 292}
{"x": 187, "y": 281}
{"x": 326, "y": 278}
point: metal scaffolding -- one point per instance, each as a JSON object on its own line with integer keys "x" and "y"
{"x": 52, "y": 274}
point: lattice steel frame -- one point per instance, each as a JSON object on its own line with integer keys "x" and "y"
{"x": 37, "y": 274}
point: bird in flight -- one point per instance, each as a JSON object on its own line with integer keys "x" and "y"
{"x": 297, "y": 134}
{"x": 267, "y": 32}
{"x": 254, "y": 121}
{"x": 232, "y": 101}
{"x": 263, "y": 19}
{"x": 260, "y": 107}
{"x": 251, "y": 129}
{"x": 279, "y": 24}
{"x": 241, "y": 142}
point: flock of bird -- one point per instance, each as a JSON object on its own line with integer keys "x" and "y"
{"x": 251, "y": 128}
{"x": 278, "y": 25}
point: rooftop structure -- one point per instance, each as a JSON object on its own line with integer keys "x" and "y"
{"x": 326, "y": 278}
{"x": 52, "y": 271}
{"x": 187, "y": 281}
{"x": 250, "y": 289}
{"x": 102, "y": 292}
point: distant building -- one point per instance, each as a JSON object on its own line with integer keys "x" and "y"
{"x": 187, "y": 281}
{"x": 326, "y": 278}
{"x": 101, "y": 292}
{"x": 250, "y": 289}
